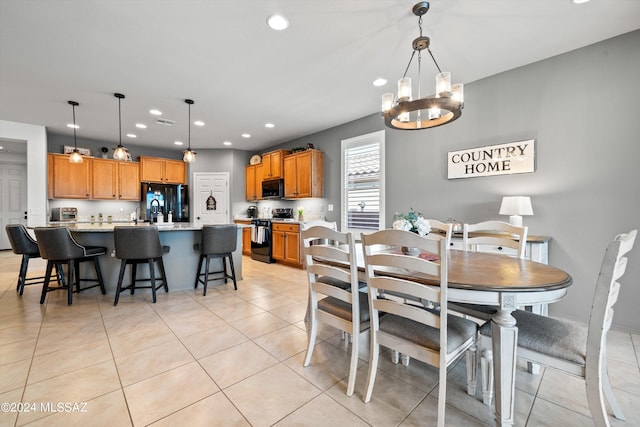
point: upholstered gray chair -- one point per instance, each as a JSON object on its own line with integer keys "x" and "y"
{"x": 57, "y": 246}
{"x": 23, "y": 244}
{"x": 140, "y": 245}
{"x": 571, "y": 347}
{"x": 217, "y": 242}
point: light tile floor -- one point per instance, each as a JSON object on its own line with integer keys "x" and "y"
{"x": 234, "y": 358}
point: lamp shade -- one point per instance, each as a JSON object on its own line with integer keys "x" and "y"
{"x": 516, "y": 205}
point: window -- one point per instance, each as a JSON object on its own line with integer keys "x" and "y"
{"x": 362, "y": 181}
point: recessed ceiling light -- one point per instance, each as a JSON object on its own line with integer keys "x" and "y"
{"x": 132, "y": 135}
{"x": 579, "y": 1}
{"x": 178, "y": 142}
{"x": 141, "y": 126}
{"x": 198, "y": 123}
{"x": 72, "y": 126}
{"x": 227, "y": 143}
{"x": 380, "y": 82}
{"x": 269, "y": 125}
{"x": 246, "y": 135}
{"x": 277, "y": 22}
{"x": 155, "y": 112}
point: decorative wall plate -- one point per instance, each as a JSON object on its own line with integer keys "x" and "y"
{"x": 255, "y": 159}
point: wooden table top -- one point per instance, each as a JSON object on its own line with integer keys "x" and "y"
{"x": 494, "y": 272}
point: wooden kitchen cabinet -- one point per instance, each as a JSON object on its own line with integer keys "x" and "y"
{"x": 69, "y": 180}
{"x": 272, "y": 164}
{"x": 246, "y": 236}
{"x": 128, "y": 181}
{"x": 253, "y": 182}
{"x": 115, "y": 180}
{"x": 166, "y": 171}
{"x": 304, "y": 174}
{"x": 286, "y": 243}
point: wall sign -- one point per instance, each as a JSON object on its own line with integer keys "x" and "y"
{"x": 502, "y": 159}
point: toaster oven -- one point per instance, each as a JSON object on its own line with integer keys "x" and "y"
{"x": 64, "y": 214}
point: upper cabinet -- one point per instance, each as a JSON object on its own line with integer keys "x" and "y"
{"x": 154, "y": 169}
{"x": 272, "y": 164}
{"x": 100, "y": 179}
{"x": 253, "y": 182}
{"x": 69, "y": 180}
{"x": 304, "y": 174}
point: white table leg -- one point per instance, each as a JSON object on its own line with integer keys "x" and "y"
{"x": 504, "y": 342}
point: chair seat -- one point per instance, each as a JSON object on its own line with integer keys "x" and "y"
{"x": 459, "y": 331}
{"x": 343, "y": 309}
{"x": 545, "y": 335}
{"x": 339, "y": 283}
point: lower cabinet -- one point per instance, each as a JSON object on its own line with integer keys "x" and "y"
{"x": 286, "y": 243}
{"x": 246, "y": 237}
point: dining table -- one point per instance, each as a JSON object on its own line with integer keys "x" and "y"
{"x": 505, "y": 283}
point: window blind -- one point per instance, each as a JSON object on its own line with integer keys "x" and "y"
{"x": 362, "y": 186}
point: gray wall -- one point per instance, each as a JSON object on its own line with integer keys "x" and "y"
{"x": 581, "y": 108}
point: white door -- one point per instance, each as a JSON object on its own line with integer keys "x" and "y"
{"x": 211, "y": 198}
{"x": 13, "y": 198}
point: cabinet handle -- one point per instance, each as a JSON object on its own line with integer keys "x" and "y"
{"x": 499, "y": 248}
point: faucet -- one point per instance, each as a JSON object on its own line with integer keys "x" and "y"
{"x": 137, "y": 213}
{"x": 155, "y": 202}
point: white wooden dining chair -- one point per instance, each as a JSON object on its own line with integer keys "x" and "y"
{"x": 334, "y": 297}
{"x": 442, "y": 229}
{"x": 429, "y": 335}
{"x": 570, "y": 347}
{"x": 493, "y": 236}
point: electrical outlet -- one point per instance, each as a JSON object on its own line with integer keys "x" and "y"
{"x": 330, "y": 207}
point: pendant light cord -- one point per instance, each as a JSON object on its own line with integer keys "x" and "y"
{"x": 119, "y": 124}
{"x": 75, "y": 143}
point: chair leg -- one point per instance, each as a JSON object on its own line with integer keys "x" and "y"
{"x": 373, "y": 367}
{"x": 22, "y": 276}
{"x": 99, "y": 274}
{"x": 206, "y": 274}
{"x": 45, "y": 285}
{"x": 73, "y": 268}
{"x": 611, "y": 398}
{"x": 313, "y": 333}
{"x": 472, "y": 369}
{"x": 233, "y": 272}
{"x": 353, "y": 367}
{"x": 123, "y": 267}
{"x": 442, "y": 392}
{"x": 134, "y": 273}
{"x": 486, "y": 366}
{"x": 163, "y": 274}
{"x": 224, "y": 268}
{"x": 195, "y": 286}
{"x": 152, "y": 278}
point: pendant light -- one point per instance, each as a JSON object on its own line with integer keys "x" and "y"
{"x": 120, "y": 152}
{"x": 75, "y": 156}
{"x": 188, "y": 155}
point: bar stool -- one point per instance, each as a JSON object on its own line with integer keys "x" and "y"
{"x": 23, "y": 244}
{"x": 58, "y": 247}
{"x": 138, "y": 245}
{"x": 218, "y": 241}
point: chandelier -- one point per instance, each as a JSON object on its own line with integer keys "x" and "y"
{"x": 75, "y": 156}
{"x": 188, "y": 155}
{"x": 405, "y": 113}
{"x": 120, "y": 152}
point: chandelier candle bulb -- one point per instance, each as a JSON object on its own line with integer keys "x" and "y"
{"x": 457, "y": 92}
{"x": 387, "y": 101}
{"x": 404, "y": 89}
{"x": 443, "y": 84}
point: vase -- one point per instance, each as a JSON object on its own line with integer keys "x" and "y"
{"x": 300, "y": 217}
{"x": 407, "y": 250}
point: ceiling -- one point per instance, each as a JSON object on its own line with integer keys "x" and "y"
{"x": 316, "y": 74}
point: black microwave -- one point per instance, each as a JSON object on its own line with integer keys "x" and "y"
{"x": 273, "y": 189}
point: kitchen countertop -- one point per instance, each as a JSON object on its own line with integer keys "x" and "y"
{"x": 106, "y": 227}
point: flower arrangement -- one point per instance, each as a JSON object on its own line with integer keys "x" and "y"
{"x": 412, "y": 221}
{"x": 300, "y": 210}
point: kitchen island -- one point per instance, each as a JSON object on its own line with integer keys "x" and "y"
{"x": 180, "y": 263}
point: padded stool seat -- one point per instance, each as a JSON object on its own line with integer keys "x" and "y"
{"x": 217, "y": 241}
{"x": 23, "y": 244}
{"x": 57, "y": 246}
{"x": 140, "y": 245}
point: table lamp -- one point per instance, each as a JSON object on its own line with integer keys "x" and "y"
{"x": 515, "y": 206}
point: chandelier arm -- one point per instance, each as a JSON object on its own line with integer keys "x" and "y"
{"x": 409, "y": 64}
{"x": 434, "y": 61}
